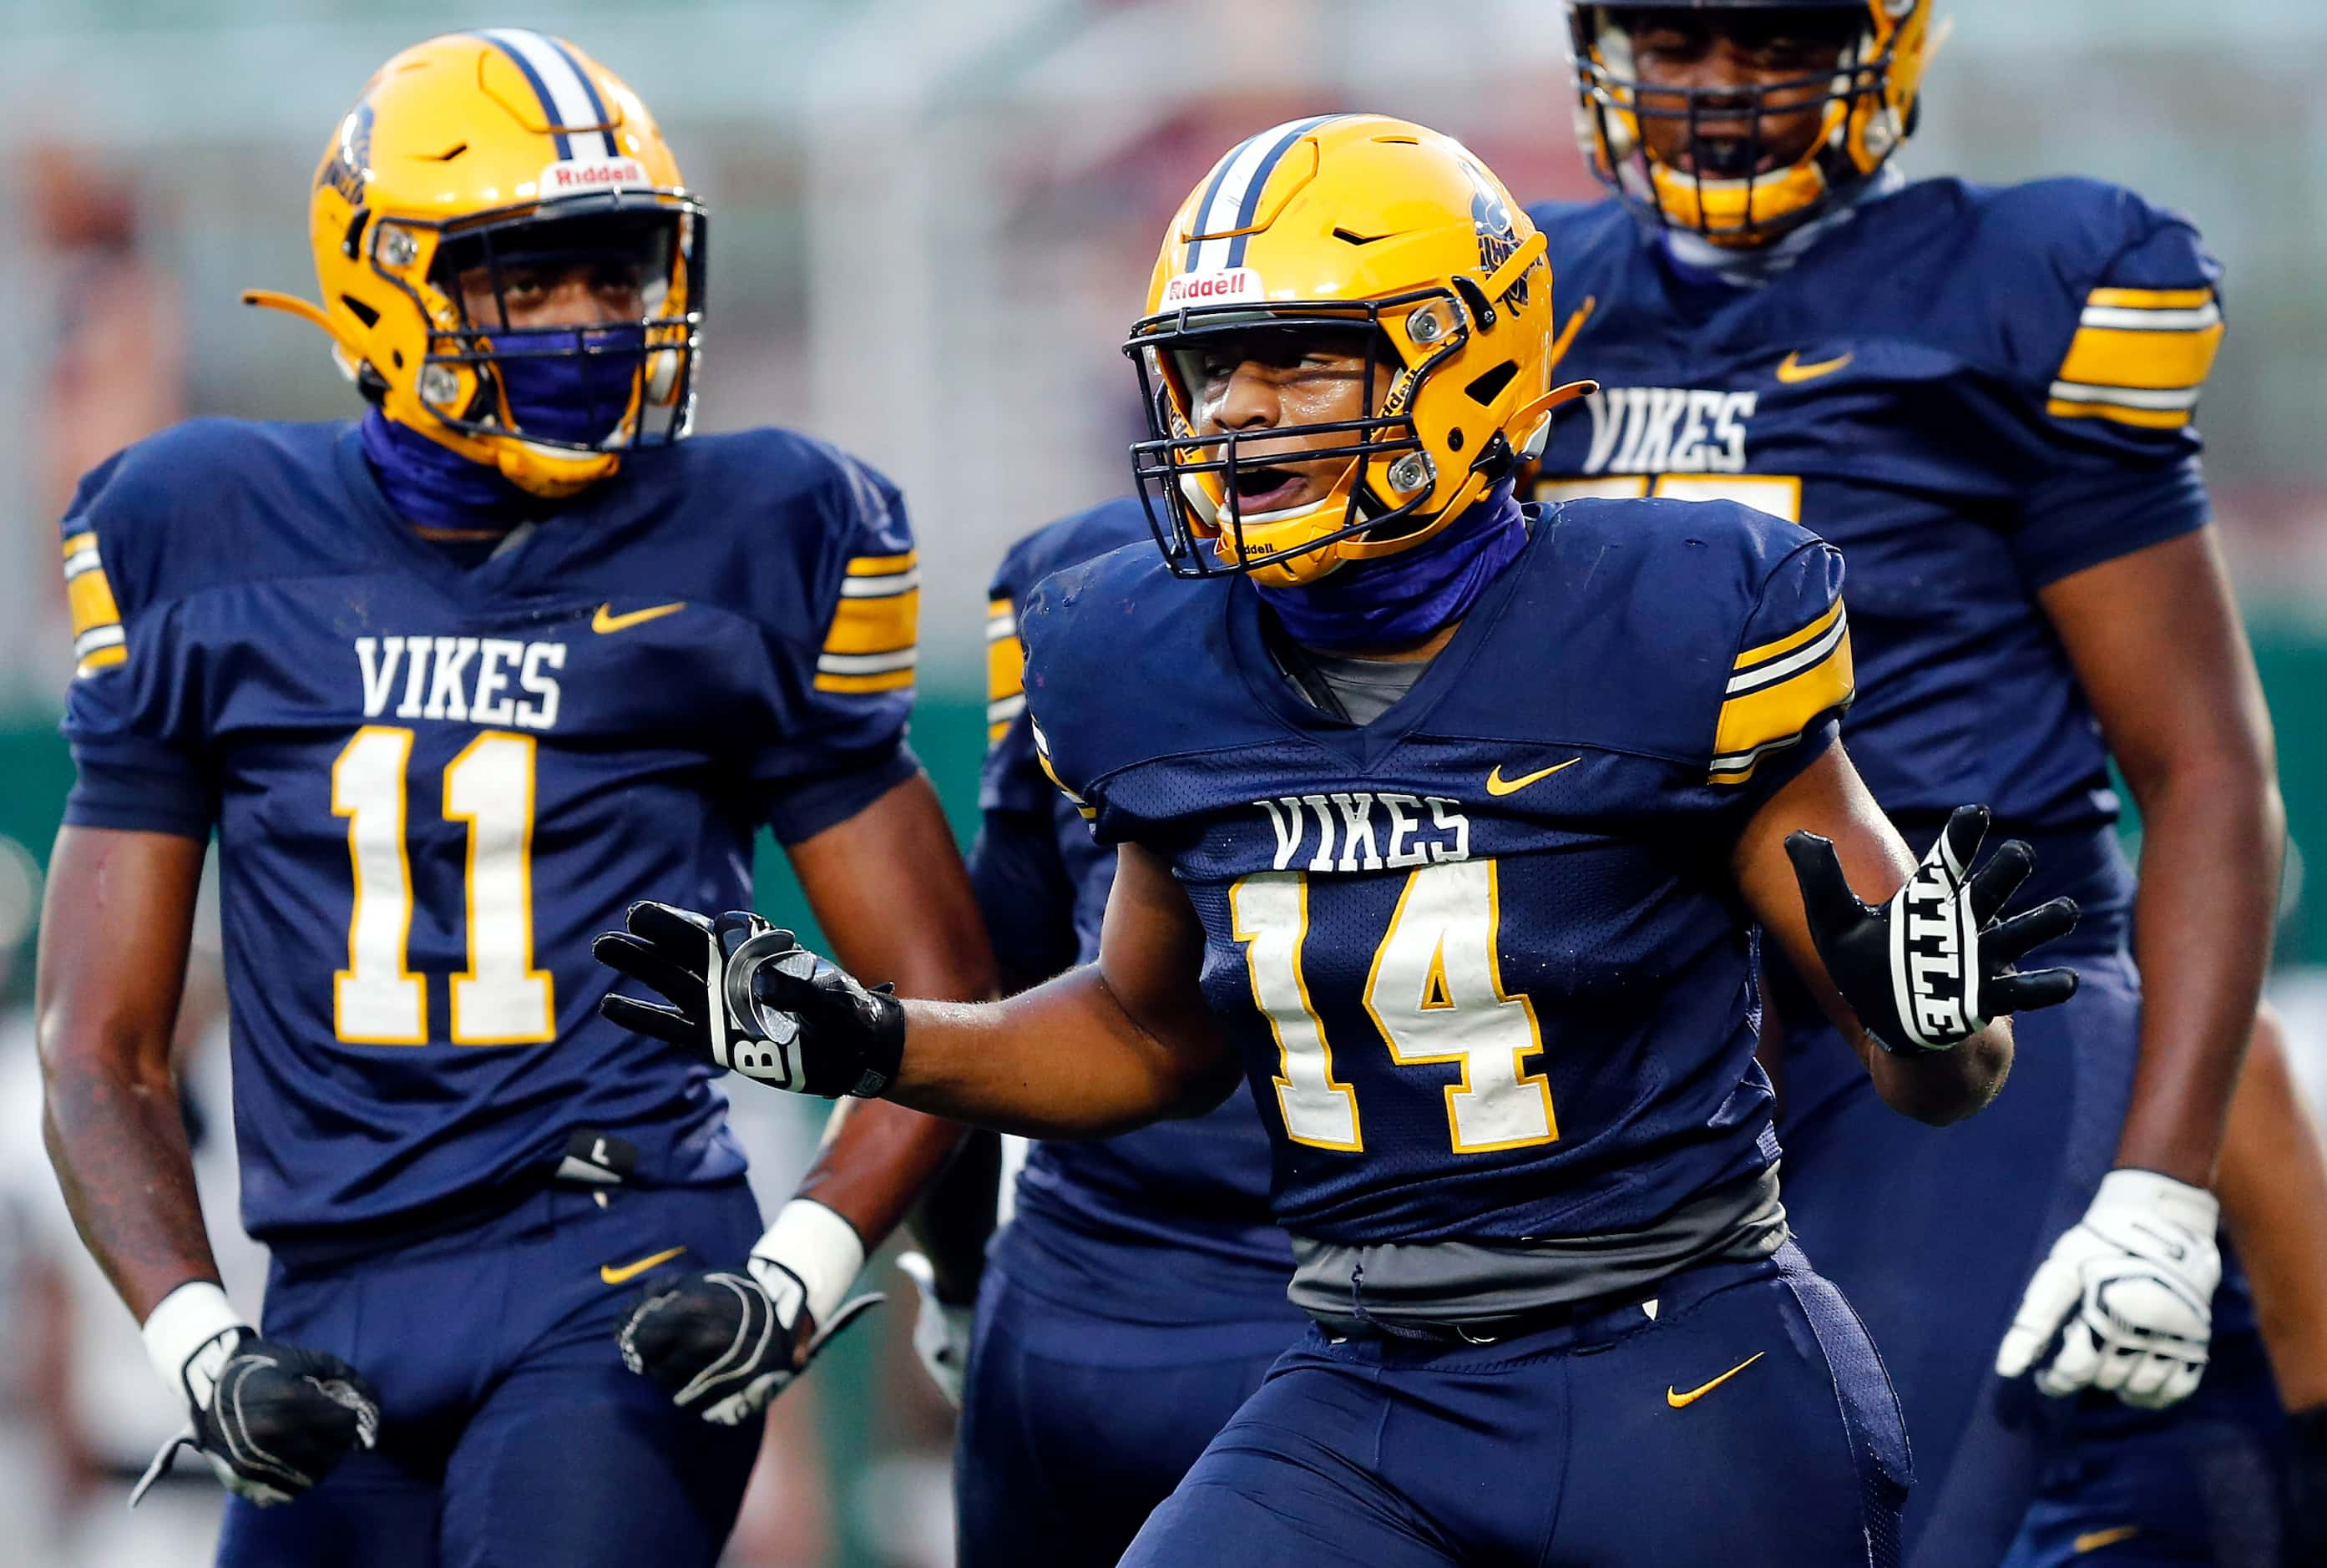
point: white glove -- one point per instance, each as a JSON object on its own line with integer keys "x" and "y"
{"x": 2127, "y": 1293}
{"x": 940, "y": 1330}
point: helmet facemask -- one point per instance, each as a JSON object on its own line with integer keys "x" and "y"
{"x": 1732, "y": 186}
{"x": 568, "y": 388}
{"x": 1197, "y": 486}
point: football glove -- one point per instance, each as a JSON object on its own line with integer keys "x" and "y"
{"x": 2124, "y": 1302}
{"x": 273, "y": 1420}
{"x": 1933, "y": 967}
{"x": 747, "y": 997}
{"x": 724, "y": 1343}
{"x": 941, "y": 1330}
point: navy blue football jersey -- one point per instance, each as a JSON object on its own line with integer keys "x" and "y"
{"x": 1483, "y": 958}
{"x": 1975, "y": 392}
{"x": 1200, "y": 1186}
{"x": 433, "y": 784}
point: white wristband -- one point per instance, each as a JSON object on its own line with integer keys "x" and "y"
{"x": 822, "y": 1249}
{"x": 191, "y": 1320}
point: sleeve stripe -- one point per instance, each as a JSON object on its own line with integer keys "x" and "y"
{"x": 1775, "y": 716}
{"x": 99, "y": 637}
{"x": 77, "y": 543}
{"x": 2144, "y": 418}
{"x": 1000, "y": 623}
{"x": 1006, "y": 669}
{"x": 881, "y": 587}
{"x": 2152, "y": 299}
{"x": 90, "y": 598}
{"x": 883, "y": 565}
{"x": 2181, "y": 398}
{"x": 2116, "y": 317}
{"x": 2150, "y": 360}
{"x": 1042, "y": 755}
{"x": 866, "y": 663}
{"x": 886, "y": 625}
{"x": 859, "y": 684}
{"x": 103, "y": 659}
{"x": 81, "y": 560}
{"x": 1815, "y": 631}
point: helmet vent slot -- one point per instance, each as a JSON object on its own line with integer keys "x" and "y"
{"x": 361, "y": 311}
{"x": 1399, "y": 141}
{"x": 449, "y": 154}
{"x": 1351, "y": 237}
{"x": 1490, "y": 387}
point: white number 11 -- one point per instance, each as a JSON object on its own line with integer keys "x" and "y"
{"x": 501, "y": 999}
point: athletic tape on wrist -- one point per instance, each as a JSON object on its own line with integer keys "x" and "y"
{"x": 822, "y": 1249}
{"x": 193, "y": 1318}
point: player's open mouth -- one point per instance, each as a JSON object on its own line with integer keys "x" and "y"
{"x": 1266, "y": 489}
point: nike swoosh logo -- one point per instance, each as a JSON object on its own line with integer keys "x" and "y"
{"x": 1679, "y": 1400}
{"x": 1499, "y": 785}
{"x": 630, "y": 1271}
{"x": 606, "y": 620}
{"x": 2095, "y": 1540}
{"x": 1792, "y": 369}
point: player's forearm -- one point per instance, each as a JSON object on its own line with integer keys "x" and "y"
{"x": 2273, "y": 1185}
{"x": 2212, "y": 833}
{"x": 877, "y": 1159}
{"x": 118, "y": 1144}
{"x": 1063, "y": 1060}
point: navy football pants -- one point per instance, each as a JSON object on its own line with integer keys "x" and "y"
{"x": 510, "y": 1435}
{"x": 1748, "y": 1425}
{"x": 1933, "y": 1232}
{"x": 1074, "y": 1426}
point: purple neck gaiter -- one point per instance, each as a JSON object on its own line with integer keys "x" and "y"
{"x": 434, "y": 486}
{"x": 1403, "y": 599}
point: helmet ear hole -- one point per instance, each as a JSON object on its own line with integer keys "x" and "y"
{"x": 1486, "y": 389}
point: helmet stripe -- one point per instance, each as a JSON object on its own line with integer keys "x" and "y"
{"x": 1235, "y": 194}
{"x": 1251, "y": 204}
{"x": 566, "y": 97}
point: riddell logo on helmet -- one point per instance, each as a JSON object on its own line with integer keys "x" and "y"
{"x": 1212, "y": 288}
{"x": 565, "y": 178}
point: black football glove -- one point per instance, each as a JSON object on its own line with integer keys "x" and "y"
{"x": 272, "y": 1419}
{"x": 724, "y": 1343}
{"x": 1932, "y": 968}
{"x": 746, "y": 996}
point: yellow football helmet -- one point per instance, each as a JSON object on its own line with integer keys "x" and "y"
{"x": 464, "y": 153}
{"x": 1869, "y": 110}
{"x": 1333, "y": 224}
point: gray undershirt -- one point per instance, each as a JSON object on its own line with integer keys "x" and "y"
{"x": 1367, "y": 689}
{"x": 1355, "y": 1289}
{"x": 1447, "y": 1283}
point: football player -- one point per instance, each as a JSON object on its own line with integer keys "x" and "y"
{"x": 1449, "y": 824}
{"x": 1092, "y": 1392}
{"x": 1983, "y": 395}
{"x": 444, "y": 683}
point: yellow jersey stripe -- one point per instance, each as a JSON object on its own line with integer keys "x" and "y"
{"x": 77, "y": 543}
{"x": 2144, "y": 418}
{"x": 1005, "y": 668}
{"x": 886, "y": 681}
{"x": 883, "y": 565}
{"x": 997, "y": 607}
{"x": 1791, "y": 641}
{"x": 2161, "y": 360}
{"x": 886, "y": 625}
{"x": 90, "y": 597}
{"x": 1774, "y": 716}
{"x": 103, "y": 659}
{"x": 2151, "y": 299}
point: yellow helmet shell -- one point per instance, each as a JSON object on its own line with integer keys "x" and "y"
{"x": 464, "y": 130}
{"x": 1368, "y": 220}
